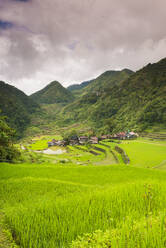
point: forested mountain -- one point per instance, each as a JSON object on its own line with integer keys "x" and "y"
{"x": 16, "y": 106}
{"x": 107, "y": 80}
{"x": 116, "y": 102}
{"x": 53, "y": 93}
{"x": 108, "y": 77}
{"x": 76, "y": 87}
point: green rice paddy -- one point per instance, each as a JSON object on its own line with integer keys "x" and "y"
{"x": 88, "y": 201}
{"x": 145, "y": 153}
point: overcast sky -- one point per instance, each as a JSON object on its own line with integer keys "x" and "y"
{"x": 75, "y": 40}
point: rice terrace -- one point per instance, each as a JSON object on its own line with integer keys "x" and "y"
{"x": 78, "y": 199}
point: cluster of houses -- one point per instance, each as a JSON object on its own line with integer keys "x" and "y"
{"x": 125, "y": 135}
{"x": 75, "y": 140}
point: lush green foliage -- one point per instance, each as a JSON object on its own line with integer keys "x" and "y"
{"x": 121, "y": 100}
{"x": 7, "y": 151}
{"x": 77, "y": 87}
{"x": 16, "y": 106}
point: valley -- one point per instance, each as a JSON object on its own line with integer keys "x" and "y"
{"x": 82, "y": 124}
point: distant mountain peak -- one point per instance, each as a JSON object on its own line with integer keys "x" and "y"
{"x": 54, "y": 92}
{"x": 54, "y": 83}
{"x": 128, "y": 70}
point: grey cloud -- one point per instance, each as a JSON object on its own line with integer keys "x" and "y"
{"x": 74, "y": 40}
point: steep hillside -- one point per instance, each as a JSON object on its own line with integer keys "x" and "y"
{"x": 122, "y": 100}
{"x": 53, "y": 93}
{"x": 16, "y": 106}
{"x": 78, "y": 89}
{"x": 92, "y": 93}
{"x": 74, "y": 87}
{"x": 107, "y": 80}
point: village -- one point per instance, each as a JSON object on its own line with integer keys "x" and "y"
{"x": 82, "y": 140}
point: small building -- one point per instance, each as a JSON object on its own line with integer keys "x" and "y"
{"x": 83, "y": 140}
{"x": 114, "y": 136}
{"x": 61, "y": 143}
{"x": 109, "y": 136}
{"x": 50, "y": 143}
{"x": 132, "y": 135}
{"x": 74, "y": 140}
{"x": 94, "y": 140}
{"x": 56, "y": 143}
{"x": 122, "y": 135}
{"x": 103, "y": 137}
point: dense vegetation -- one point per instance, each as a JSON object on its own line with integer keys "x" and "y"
{"x": 115, "y": 103}
{"x": 77, "y": 88}
{"x": 7, "y": 151}
{"x": 16, "y": 106}
{"x": 53, "y": 93}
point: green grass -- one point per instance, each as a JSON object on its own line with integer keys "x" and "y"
{"x": 41, "y": 142}
{"x": 51, "y": 205}
{"x": 145, "y": 153}
{"x": 67, "y": 205}
{"x": 38, "y": 145}
{"x": 83, "y": 155}
{"x": 109, "y": 158}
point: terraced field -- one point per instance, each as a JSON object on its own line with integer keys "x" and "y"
{"x": 87, "y": 198}
{"x": 145, "y": 153}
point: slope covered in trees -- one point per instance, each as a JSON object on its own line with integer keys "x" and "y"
{"x": 122, "y": 100}
{"x": 16, "y": 106}
{"x": 53, "y": 93}
{"x": 78, "y": 89}
{"x": 7, "y": 151}
{"x": 116, "y": 100}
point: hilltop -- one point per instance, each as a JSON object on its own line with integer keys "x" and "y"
{"x": 16, "y": 106}
{"x": 53, "y": 93}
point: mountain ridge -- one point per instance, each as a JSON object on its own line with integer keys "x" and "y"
{"x": 115, "y": 100}
{"x": 136, "y": 102}
{"x": 16, "y": 106}
{"x": 54, "y": 92}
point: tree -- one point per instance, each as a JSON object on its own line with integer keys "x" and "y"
{"x": 7, "y": 151}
